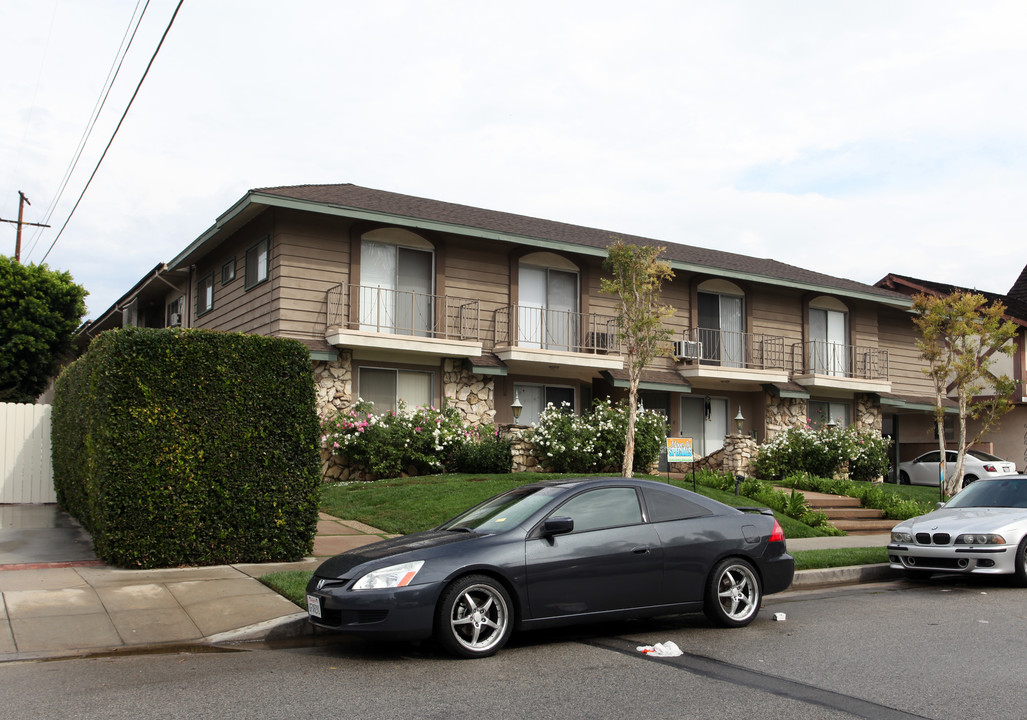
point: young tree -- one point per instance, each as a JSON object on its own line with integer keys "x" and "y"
{"x": 39, "y": 310}
{"x": 960, "y": 334}
{"x": 636, "y": 277}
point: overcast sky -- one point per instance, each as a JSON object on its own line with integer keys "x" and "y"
{"x": 851, "y": 138}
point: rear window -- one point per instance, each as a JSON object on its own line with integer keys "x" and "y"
{"x": 664, "y": 506}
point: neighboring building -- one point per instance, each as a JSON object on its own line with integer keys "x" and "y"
{"x": 403, "y": 298}
{"x": 1009, "y": 439}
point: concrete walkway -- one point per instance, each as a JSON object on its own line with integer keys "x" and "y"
{"x": 81, "y": 607}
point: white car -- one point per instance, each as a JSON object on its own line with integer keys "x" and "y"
{"x": 981, "y": 530}
{"x": 924, "y": 469}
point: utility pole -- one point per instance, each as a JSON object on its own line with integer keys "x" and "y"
{"x": 22, "y": 202}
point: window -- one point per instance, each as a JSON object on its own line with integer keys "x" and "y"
{"x": 721, "y": 324}
{"x": 535, "y": 398}
{"x": 822, "y": 412}
{"x": 174, "y": 313}
{"x": 705, "y": 420}
{"x": 257, "y": 263}
{"x": 396, "y": 287}
{"x": 828, "y": 334}
{"x": 603, "y": 508}
{"x": 547, "y": 305}
{"x": 205, "y": 294}
{"x": 664, "y": 506}
{"x": 386, "y": 387}
{"x": 228, "y": 272}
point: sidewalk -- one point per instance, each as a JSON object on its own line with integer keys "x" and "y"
{"x": 56, "y": 609}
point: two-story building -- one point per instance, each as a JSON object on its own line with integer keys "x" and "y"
{"x": 1008, "y": 439}
{"x": 402, "y": 298}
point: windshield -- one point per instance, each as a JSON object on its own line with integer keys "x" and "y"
{"x": 992, "y": 493}
{"x": 503, "y": 512}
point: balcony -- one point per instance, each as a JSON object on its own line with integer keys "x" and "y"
{"x": 533, "y": 339}
{"x": 832, "y": 366}
{"x": 376, "y": 318}
{"x": 711, "y": 357}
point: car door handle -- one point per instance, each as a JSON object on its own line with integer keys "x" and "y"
{"x": 641, "y": 550}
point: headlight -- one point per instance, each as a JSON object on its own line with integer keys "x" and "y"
{"x": 980, "y": 539}
{"x": 901, "y": 537}
{"x": 393, "y": 576}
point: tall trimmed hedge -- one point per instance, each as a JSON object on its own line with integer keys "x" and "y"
{"x": 189, "y": 447}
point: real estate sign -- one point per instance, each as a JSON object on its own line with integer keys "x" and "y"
{"x": 679, "y": 450}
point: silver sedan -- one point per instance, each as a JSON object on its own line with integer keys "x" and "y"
{"x": 982, "y": 529}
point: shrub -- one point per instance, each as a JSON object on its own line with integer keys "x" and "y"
{"x": 421, "y": 439}
{"x": 871, "y": 495}
{"x": 483, "y": 452}
{"x": 189, "y": 447}
{"x": 594, "y": 442}
{"x": 822, "y": 452}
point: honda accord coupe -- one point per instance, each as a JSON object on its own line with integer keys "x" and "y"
{"x": 555, "y": 553}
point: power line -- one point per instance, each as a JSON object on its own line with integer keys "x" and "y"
{"x": 101, "y": 101}
{"x": 115, "y": 133}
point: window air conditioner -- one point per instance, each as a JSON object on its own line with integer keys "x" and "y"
{"x": 688, "y": 349}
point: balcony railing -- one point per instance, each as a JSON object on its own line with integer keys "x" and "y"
{"x": 403, "y": 312}
{"x": 724, "y": 348}
{"x": 819, "y": 357}
{"x": 563, "y": 330}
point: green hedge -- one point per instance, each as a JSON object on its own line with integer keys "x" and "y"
{"x": 189, "y": 447}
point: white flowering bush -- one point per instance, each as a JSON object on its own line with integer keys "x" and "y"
{"x": 388, "y": 444}
{"x": 822, "y": 451}
{"x": 594, "y": 442}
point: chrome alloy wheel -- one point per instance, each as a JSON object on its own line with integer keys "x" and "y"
{"x": 479, "y": 618}
{"x": 738, "y": 592}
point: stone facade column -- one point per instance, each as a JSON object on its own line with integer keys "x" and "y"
{"x": 473, "y": 396}
{"x": 523, "y": 452}
{"x": 783, "y": 413}
{"x": 868, "y": 414}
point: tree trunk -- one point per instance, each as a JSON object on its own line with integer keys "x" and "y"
{"x": 627, "y": 469}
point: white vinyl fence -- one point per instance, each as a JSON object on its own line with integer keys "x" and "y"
{"x": 25, "y": 472}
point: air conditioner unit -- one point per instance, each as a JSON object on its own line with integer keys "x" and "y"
{"x": 688, "y": 349}
{"x": 601, "y": 341}
{"x": 175, "y": 320}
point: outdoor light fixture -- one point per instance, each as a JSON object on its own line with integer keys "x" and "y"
{"x": 739, "y": 420}
{"x": 516, "y": 406}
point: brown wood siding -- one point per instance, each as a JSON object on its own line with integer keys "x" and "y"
{"x": 777, "y": 313}
{"x": 898, "y": 337}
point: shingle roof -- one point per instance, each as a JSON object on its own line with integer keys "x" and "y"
{"x": 356, "y": 197}
{"x": 1015, "y": 308}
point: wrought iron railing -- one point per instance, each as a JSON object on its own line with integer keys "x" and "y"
{"x": 724, "y": 348}
{"x": 403, "y": 312}
{"x": 820, "y": 357}
{"x": 545, "y": 329}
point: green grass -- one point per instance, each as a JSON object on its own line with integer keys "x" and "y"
{"x": 839, "y": 557}
{"x": 291, "y": 584}
{"x": 920, "y": 493}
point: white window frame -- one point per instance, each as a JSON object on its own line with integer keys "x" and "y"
{"x": 378, "y": 409}
{"x": 257, "y": 263}
{"x": 205, "y": 294}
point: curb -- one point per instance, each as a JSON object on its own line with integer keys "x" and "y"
{"x": 282, "y": 628}
{"x": 851, "y": 575}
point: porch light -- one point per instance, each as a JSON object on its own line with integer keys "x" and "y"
{"x": 739, "y": 420}
{"x": 516, "y": 405}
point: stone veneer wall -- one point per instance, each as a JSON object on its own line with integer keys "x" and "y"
{"x": 783, "y": 413}
{"x": 472, "y": 395}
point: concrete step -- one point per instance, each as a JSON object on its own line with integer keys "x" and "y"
{"x": 865, "y": 527}
{"x": 852, "y": 513}
{"x": 820, "y": 500}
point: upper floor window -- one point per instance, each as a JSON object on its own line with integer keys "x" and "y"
{"x": 257, "y": 263}
{"x": 205, "y": 294}
{"x": 828, "y": 335}
{"x": 547, "y": 303}
{"x": 228, "y": 272}
{"x": 720, "y": 309}
{"x": 396, "y": 283}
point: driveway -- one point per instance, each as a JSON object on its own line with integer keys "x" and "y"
{"x": 40, "y": 534}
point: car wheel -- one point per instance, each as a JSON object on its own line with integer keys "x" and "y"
{"x": 474, "y": 618}
{"x": 968, "y": 479}
{"x": 903, "y": 478}
{"x": 1020, "y": 576}
{"x": 733, "y": 593}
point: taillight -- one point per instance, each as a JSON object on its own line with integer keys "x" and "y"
{"x": 990, "y": 468}
{"x": 778, "y": 533}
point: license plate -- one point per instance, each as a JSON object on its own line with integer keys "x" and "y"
{"x": 314, "y": 606}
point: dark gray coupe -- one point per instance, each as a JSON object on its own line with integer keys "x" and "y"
{"x": 556, "y": 553}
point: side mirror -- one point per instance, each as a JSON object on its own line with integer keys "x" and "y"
{"x": 558, "y": 525}
{"x": 939, "y": 506}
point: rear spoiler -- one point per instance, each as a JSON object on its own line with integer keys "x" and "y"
{"x": 760, "y": 510}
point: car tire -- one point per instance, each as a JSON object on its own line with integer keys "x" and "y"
{"x": 733, "y": 593}
{"x": 903, "y": 478}
{"x": 474, "y": 617}
{"x": 1020, "y": 574}
{"x": 969, "y": 479}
